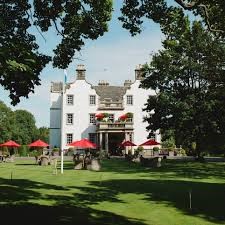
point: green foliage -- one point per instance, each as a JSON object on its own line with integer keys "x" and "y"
{"x": 182, "y": 152}
{"x": 168, "y": 138}
{"x": 43, "y": 134}
{"x": 189, "y": 76}
{"x": 170, "y": 149}
{"x": 6, "y": 123}
{"x": 155, "y": 149}
{"x": 26, "y": 130}
{"x": 140, "y": 148}
{"x": 20, "y": 61}
{"x": 75, "y": 22}
{"x": 23, "y": 150}
{"x": 129, "y": 115}
{"x": 55, "y": 149}
{"x": 19, "y": 126}
{"x": 106, "y": 115}
{"x": 168, "y": 14}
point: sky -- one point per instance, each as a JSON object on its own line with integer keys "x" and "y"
{"x": 112, "y": 57}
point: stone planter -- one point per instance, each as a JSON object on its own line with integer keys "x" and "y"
{"x": 171, "y": 153}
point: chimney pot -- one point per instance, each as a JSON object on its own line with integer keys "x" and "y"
{"x": 80, "y": 72}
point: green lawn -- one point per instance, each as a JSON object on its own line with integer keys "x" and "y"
{"x": 122, "y": 193}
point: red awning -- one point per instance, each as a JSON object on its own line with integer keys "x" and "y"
{"x": 10, "y": 143}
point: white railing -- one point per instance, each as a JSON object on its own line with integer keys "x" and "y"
{"x": 114, "y": 126}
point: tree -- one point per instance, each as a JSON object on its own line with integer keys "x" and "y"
{"x": 43, "y": 134}
{"x": 75, "y": 21}
{"x": 188, "y": 75}
{"x": 6, "y": 122}
{"x": 20, "y": 61}
{"x": 26, "y": 130}
{"x": 165, "y": 12}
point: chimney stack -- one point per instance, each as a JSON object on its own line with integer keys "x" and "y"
{"x": 127, "y": 83}
{"x": 139, "y": 75}
{"x": 103, "y": 83}
{"x": 80, "y": 72}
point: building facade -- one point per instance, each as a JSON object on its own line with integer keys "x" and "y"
{"x": 76, "y": 108}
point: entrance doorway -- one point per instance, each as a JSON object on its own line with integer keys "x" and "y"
{"x": 115, "y": 139}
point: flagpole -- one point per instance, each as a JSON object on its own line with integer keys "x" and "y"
{"x": 62, "y": 116}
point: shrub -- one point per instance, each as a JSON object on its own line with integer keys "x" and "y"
{"x": 182, "y": 152}
{"x": 156, "y": 149}
{"x": 140, "y": 149}
{"x": 55, "y": 149}
{"x": 171, "y": 149}
{"x": 23, "y": 150}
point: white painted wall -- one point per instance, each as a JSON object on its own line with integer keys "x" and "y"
{"x": 140, "y": 97}
{"x": 81, "y": 110}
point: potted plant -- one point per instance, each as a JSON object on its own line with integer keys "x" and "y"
{"x": 129, "y": 115}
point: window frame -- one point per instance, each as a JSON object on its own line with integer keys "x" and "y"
{"x": 67, "y": 99}
{"x": 67, "y": 134}
{"x": 68, "y": 123}
{"x": 130, "y": 100}
{"x": 90, "y": 120}
{"x": 92, "y": 100}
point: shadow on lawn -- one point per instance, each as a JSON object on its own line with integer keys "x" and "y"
{"x": 16, "y": 207}
{"x": 169, "y": 169}
{"x": 208, "y": 199}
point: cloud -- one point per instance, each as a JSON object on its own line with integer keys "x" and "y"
{"x": 112, "y": 57}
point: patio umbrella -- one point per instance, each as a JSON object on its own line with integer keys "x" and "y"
{"x": 38, "y": 143}
{"x": 150, "y": 142}
{"x": 83, "y": 143}
{"x": 10, "y": 143}
{"x": 127, "y": 143}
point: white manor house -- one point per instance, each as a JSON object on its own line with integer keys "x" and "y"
{"x": 81, "y": 110}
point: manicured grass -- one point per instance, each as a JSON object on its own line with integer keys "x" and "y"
{"x": 122, "y": 193}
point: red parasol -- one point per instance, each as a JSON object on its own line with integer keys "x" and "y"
{"x": 10, "y": 143}
{"x": 150, "y": 142}
{"x": 127, "y": 143}
{"x": 83, "y": 143}
{"x": 38, "y": 143}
